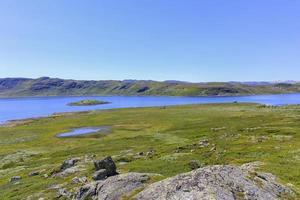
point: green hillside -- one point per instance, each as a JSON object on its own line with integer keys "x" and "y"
{"x": 46, "y": 86}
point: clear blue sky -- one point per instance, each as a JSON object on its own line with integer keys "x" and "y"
{"x": 191, "y": 40}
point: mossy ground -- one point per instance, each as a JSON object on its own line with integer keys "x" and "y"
{"x": 241, "y": 133}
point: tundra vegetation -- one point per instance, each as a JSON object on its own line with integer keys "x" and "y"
{"x": 88, "y": 102}
{"x": 161, "y": 140}
{"x": 45, "y": 86}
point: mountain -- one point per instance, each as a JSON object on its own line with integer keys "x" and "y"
{"x": 46, "y": 86}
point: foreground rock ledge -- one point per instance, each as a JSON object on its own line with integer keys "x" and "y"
{"x": 113, "y": 187}
{"x": 219, "y": 183}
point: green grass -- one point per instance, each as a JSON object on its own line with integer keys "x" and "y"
{"x": 87, "y": 102}
{"x": 241, "y": 133}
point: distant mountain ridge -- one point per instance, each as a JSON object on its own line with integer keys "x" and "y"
{"x": 46, "y": 86}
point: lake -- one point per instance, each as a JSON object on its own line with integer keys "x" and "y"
{"x": 21, "y": 108}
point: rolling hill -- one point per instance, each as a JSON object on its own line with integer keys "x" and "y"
{"x": 45, "y": 86}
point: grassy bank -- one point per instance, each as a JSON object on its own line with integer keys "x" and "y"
{"x": 237, "y": 133}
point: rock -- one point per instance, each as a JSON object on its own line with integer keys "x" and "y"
{"x": 67, "y": 172}
{"x": 87, "y": 191}
{"x": 214, "y": 148}
{"x": 34, "y": 173}
{"x": 252, "y": 166}
{"x": 194, "y": 164}
{"x": 220, "y": 182}
{"x": 203, "y": 143}
{"x": 108, "y": 164}
{"x": 150, "y": 153}
{"x": 68, "y": 163}
{"x": 62, "y": 192}
{"x": 15, "y": 178}
{"x": 100, "y": 174}
{"x": 83, "y": 179}
{"x": 75, "y": 180}
{"x": 113, "y": 187}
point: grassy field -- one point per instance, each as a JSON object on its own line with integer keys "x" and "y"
{"x": 241, "y": 133}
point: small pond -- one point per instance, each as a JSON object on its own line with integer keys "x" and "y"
{"x": 83, "y": 131}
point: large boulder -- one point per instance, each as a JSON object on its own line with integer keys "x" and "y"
{"x": 218, "y": 183}
{"x": 100, "y": 174}
{"x": 113, "y": 187}
{"x": 108, "y": 164}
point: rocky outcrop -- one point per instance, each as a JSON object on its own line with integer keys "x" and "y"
{"x": 219, "y": 183}
{"x": 113, "y": 187}
{"x": 104, "y": 168}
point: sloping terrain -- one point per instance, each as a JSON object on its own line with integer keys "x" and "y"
{"x": 46, "y": 86}
{"x": 163, "y": 140}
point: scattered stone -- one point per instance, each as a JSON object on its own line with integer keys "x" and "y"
{"x": 213, "y": 148}
{"x": 83, "y": 179}
{"x": 67, "y": 172}
{"x": 220, "y": 182}
{"x": 203, "y": 143}
{"x": 150, "y": 153}
{"x": 68, "y": 163}
{"x": 194, "y": 164}
{"x": 62, "y": 192}
{"x": 218, "y": 129}
{"x": 87, "y": 191}
{"x": 36, "y": 173}
{"x": 113, "y": 187}
{"x": 15, "y": 178}
{"x": 108, "y": 164}
{"x": 75, "y": 180}
{"x": 79, "y": 180}
{"x": 100, "y": 174}
{"x": 179, "y": 149}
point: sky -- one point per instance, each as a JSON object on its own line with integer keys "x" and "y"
{"x": 188, "y": 40}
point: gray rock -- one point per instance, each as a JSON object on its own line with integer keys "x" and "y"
{"x": 108, "y": 164}
{"x": 219, "y": 183}
{"x": 100, "y": 174}
{"x": 203, "y": 143}
{"x": 87, "y": 191}
{"x": 113, "y": 187}
{"x": 62, "y": 192}
{"x": 15, "y": 178}
{"x": 67, "y": 172}
{"x": 34, "y": 173}
{"x": 68, "y": 163}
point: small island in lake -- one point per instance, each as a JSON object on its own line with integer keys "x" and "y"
{"x": 87, "y": 102}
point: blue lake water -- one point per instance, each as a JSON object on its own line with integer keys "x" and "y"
{"x": 21, "y": 108}
{"x": 80, "y": 131}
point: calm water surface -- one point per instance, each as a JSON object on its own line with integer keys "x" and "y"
{"x": 80, "y": 131}
{"x": 21, "y": 108}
